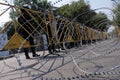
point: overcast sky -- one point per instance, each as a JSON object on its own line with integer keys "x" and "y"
{"x": 93, "y": 3}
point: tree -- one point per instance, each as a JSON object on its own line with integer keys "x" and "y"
{"x": 40, "y": 5}
{"x": 74, "y": 9}
{"x": 81, "y": 12}
{"x": 100, "y": 22}
{"x": 116, "y": 12}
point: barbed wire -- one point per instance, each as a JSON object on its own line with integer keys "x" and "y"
{"x": 56, "y": 2}
{"x": 68, "y": 51}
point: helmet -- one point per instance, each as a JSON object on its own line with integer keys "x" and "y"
{"x": 27, "y": 6}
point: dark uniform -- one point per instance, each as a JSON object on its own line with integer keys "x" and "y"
{"x": 25, "y": 22}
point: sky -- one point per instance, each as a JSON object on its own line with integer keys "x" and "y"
{"x": 93, "y": 3}
{"x": 102, "y": 3}
{"x": 5, "y": 16}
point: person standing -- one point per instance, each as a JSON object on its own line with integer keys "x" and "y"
{"x": 25, "y": 20}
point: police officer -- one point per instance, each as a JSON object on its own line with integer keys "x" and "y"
{"x": 25, "y": 20}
